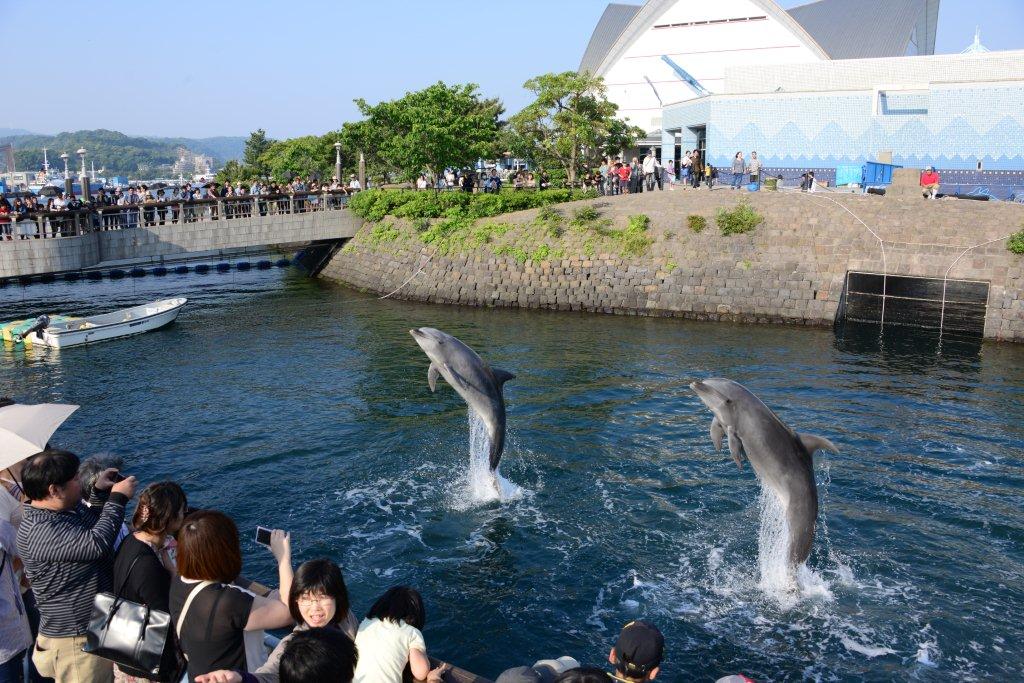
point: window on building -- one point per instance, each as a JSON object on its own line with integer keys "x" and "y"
{"x": 902, "y": 103}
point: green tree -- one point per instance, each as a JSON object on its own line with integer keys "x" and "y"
{"x": 306, "y": 156}
{"x": 429, "y": 130}
{"x": 232, "y": 172}
{"x": 255, "y": 147}
{"x": 569, "y": 125}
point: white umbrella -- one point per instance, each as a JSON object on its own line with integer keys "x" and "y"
{"x": 26, "y": 429}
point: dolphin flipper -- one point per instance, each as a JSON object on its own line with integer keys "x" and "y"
{"x": 816, "y": 443}
{"x": 432, "y": 374}
{"x": 735, "y": 445}
{"x": 717, "y": 434}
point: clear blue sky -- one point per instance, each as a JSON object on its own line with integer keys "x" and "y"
{"x": 293, "y": 67}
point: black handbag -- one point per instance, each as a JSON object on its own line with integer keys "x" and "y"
{"x": 131, "y": 635}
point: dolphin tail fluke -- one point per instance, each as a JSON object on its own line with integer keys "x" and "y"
{"x": 497, "y": 446}
{"x": 800, "y": 518}
{"x": 816, "y": 443}
{"x": 432, "y": 374}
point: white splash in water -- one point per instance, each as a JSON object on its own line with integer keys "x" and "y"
{"x": 479, "y": 482}
{"x": 777, "y": 580}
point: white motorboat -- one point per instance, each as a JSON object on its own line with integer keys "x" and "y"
{"x": 66, "y": 332}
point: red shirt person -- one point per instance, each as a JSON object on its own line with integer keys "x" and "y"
{"x": 930, "y": 182}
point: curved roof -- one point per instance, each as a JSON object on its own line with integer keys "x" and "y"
{"x": 870, "y": 28}
{"x": 613, "y": 22}
{"x": 621, "y": 30}
{"x": 833, "y": 29}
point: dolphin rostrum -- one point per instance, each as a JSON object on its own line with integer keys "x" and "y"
{"x": 781, "y": 458}
{"x": 474, "y": 380}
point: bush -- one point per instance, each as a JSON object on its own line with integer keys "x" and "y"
{"x": 550, "y": 220}
{"x": 635, "y": 241}
{"x": 584, "y": 215}
{"x": 518, "y": 253}
{"x": 739, "y": 220}
{"x": 696, "y": 223}
{"x": 1016, "y": 242}
{"x": 383, "y": 232}
{"x": 374, "y": 205}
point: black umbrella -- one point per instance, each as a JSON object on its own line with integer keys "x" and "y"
{"x": 210, "y": 184}
{"x": 50, "y": 191}
{"x": 158, "y": 186}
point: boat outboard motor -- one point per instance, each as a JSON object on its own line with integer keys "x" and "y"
{"x": 42, "y": 322}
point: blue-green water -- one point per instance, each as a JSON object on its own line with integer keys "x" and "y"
{"x": 291, "y": 403}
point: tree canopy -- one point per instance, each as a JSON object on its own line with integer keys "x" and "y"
{"x": 570, "y": 124}
{"x": 429, "y": 130}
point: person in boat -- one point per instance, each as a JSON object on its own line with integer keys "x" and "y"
{"x": 586, "y": 674}
{"x": 319, "y": 655}
{"x": 216, "y": 613}
{"x": 544, "y": 671}
{"x": 637, "y": 653}
{"x": 144, "y": 565}
{"x": 391, "y": 636}
{"x": 318, "y": 600}
{"x": 67, "y": 549}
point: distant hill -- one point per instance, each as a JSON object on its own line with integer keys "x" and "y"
{"x": 220, "y": 148}
{"x": 7, "y": 132}
{"x": 117, "y": 153}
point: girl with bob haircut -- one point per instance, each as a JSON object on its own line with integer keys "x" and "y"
{"x": 143, "y": 566}
{"x": 209, "y": 559}
{"x": 318, "y": 600}
{"x": 391, "y": 636}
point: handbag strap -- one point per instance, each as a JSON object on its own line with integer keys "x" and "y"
{"x": 124, "y": 582}
{"x": 188, "y": 603}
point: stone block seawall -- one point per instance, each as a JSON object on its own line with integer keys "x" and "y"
{"x": 790, "y": 269}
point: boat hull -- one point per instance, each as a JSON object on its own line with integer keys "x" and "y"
{"x": 140, "y": 319}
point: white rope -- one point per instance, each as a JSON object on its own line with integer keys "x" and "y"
{"x": 409, "y": 279}
{"x": 881, "y": 242}
{"x": 945, "y": 276}
{"x": 881, "y": 246}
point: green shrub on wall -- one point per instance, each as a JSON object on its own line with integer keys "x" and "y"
{"x": 696, "y": 223}
{"x": 739, "y": 220}
{"x": 1016, "y": 242}
{"x": 635, "y": 240}
{"x": 374, "y": 205}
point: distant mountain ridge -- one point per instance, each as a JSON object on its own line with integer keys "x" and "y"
{"x": 117, "y": 153}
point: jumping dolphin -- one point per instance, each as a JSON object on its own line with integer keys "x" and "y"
{"x": 781, "y": 458}
{"x": 473, "y": 379}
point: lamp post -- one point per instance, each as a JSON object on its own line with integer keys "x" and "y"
{"x": 83, "y": 178}
{"x": 337, "y": 161}
{"x": 68, "y": 187}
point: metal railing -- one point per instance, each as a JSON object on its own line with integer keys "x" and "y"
{"x": 57, "y": 224}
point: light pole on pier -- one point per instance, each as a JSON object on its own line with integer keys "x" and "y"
{"x": 84, "y": 177}
{"x": 337, "y": 161}
{"x": 68, "y": 186}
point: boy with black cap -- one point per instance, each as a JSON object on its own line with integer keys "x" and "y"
{"x": 637, "y": 653}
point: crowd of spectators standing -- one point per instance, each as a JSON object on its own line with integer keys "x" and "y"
{"x": 158, "y": 204}
{"x": 66, "y": 536}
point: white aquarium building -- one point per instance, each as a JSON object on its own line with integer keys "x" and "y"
{"x": 668, "y": 51}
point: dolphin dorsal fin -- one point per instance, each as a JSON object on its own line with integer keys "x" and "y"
{"x": 502, "y": 376}
{"x": 816, "y": 443}
{"x": 432, "y": 374}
